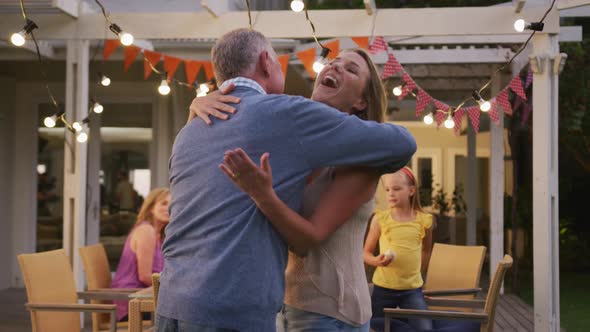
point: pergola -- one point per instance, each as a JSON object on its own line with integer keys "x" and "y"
{"x": 79, "y": 26}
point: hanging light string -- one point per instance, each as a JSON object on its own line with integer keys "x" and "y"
{"x": 249, "y": 14}
{"x": 39, "y": 57}
{"x": 313, "y": 29}
{"x": 504, "y": 66}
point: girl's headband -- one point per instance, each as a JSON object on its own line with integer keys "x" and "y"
{"x": 409, "y": 173}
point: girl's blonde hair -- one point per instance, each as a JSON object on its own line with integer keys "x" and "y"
{"x": 145, "y": 212}
{"x": 374, "y": 93}
{"x": 410, "y": 177}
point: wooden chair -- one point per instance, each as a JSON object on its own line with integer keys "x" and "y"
{"x": 485, "y": 317}
{"x": 156, "y": 287}
{"x": 98, "y": 279}
{"x": 454, "y": 271}
{"x": 51, "y": 293}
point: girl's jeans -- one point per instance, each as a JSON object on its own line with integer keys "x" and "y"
{"x": 404, "y": 299}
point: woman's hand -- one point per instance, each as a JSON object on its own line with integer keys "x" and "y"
{"x": 213, "y": 104}
{"x": 246, "y": 175}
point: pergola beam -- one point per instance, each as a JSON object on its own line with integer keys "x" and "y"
{"x": 566, "y": 4}
{"x": 328, "y": 23}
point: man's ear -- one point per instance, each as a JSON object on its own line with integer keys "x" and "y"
{"x": 265, "y": 63}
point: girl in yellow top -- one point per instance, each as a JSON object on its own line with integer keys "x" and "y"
{"x": 405, "y": 240}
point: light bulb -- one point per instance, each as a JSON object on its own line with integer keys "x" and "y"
{"x": 49, "y": 121}
{"x": 126, "y": 38}
{"x": 319, "y": 64}
{"x": 201, "y": 93}
{"x": 519, "y": 25}
{"x": 105, "y": 80}
{"x": 204, "y": 87}
{"x": 82, "y": 137}
{"x": 297, "y": 5}
{"x": 18, "y": 38}
{"x": 484, "y": 105}
{"x": 397, "y": 91}
{"x": 77, "y": 126}
{"x": 97, "y": 108}
{"x": 449, "y": 123}
{"x": 429, "y": 119}
{"x": 164, "y": 88}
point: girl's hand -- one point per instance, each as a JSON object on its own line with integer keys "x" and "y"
{"x": 383, "y": 260}
{"x": 213, "y": 104}
{"x": 246, "y": 175}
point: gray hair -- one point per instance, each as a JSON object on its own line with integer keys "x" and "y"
{"x": 236, "y": 53}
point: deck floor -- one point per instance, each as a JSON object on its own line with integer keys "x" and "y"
{"x": 512, "y": 314}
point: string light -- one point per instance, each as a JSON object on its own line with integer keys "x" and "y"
{"x": 125, "y": 37}
{"x": 449, "y": 123}
{"x": 297, "y": 5}
{"x": 484, "y": 105}
{"x": 398, "y": 90}
{"x": 18, "y": 38}
{"x": 429, "y": 119}
{"x": 520, "y": 25}
{"x": 322, "y": 61}
{"x": 50, "y": 121}
{"x": 97, "y": 107}
{"x": 77, "y": 126}
{"x": 204, "y": 87}
{"x": 104, "y": 79}
{"x": 164, "y": 88}
{"x": 82, "y": 136}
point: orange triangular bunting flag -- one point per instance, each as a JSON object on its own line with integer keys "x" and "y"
{"x": 334, "y": 47}
{"x": 131, "y": 53}
{"x": 307, "y": 57}
{"x": 152, "y": 58}
{"x": 284, "y": 60}
{"x": 110, "y": 45}
{"x": 209, "y": 74}
{"x": 362, "y": 42}
{"x": 192, "y": 70}
{"x": 171, "y": 65}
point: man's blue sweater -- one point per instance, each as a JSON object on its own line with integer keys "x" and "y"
{"x": 224, "y": 261}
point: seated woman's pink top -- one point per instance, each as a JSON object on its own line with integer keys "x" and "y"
{"x": 127, "y": 275}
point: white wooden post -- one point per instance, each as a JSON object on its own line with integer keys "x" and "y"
{"x": 75, "y": 166}
{"x": 496, "y": 187}
{"x": 472, "y": 187}
{"x": 93, "y": 185}
{"x": 161, "y": 146}
{"x": 545, "y": 186}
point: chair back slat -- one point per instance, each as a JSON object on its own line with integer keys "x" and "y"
{"x": 494, "y": 292}
{"x": 98, "y": 275}
{"x": 49, "y": 278}
{"x": 454, "y": 267}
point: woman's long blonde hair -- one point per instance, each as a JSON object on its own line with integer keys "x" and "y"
{"x": 374, "y": 93}
{"x": 145, "y": 212}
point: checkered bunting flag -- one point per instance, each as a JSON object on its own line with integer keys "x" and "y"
{"x": 440, "y": 116}
{"x": 409, "y": 87}
{"x": 473, "y": 113}
{"x": 502, "y": 100}
{"x": 422, "y": 101}
{"x": 391, "y": 67}
{"x": 458, "y": 118}
{"x": 494, "y": 113}
{"x": 516, "y": 86}
{"x": 378, "y": 45}
{"x": 529, "y": 78}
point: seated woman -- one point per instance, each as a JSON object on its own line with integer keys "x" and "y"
{"x": 142, "y": 254}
